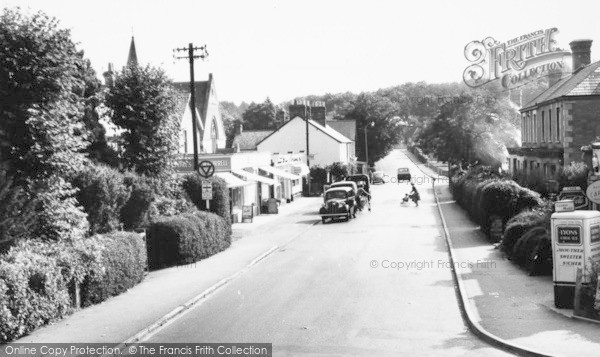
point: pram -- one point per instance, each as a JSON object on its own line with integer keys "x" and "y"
{"x": 405, "y": 199}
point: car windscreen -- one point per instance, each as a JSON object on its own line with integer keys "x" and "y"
{"x": 335, "y": 195}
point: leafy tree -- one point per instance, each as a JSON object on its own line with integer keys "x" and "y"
{"x": 261, "y": 116}
{"x": 143, "y": 102}
{"x": 17, "y": 212}
{"x": 41, "y": 106}
{"x": 469, "y": 131}
{"x": 232, "y": 116}
{"x": 376, "y": 114}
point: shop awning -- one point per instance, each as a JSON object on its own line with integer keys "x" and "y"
{"x": 253, "y": 177}
{"x": 278, "y": 172}
{"x": 232, "y": 181}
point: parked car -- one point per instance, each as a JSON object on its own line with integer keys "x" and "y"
{"x": 378, "y": 177}
{"x": 361, "y": 181}
{"x": 339, "y": 204}
{"x": 404, "y": 174}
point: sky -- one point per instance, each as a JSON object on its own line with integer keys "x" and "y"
{"x": 289, "y": 49}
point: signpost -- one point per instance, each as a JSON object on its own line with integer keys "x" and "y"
{"x": 576, "y": 194}
{"x": 206, "y": 169}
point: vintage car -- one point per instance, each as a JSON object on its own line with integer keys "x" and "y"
{"x": 361, "y": 181}
{"x": 339, "y": 204}
{"x": 377, "y": 177}
{"x": 404, "y": 174}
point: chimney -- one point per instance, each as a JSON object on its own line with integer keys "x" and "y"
{"x": 239, "y": 128}
{"x": 318, "y": 112}
{"x": 580, "y": 52}
{"x": 299, "y": 108}
{"x": 109, "y": 76}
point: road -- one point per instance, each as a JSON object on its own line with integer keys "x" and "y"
{"x": 375, "y": 286}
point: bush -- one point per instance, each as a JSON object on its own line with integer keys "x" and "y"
{"x": 417, "y": 153}
{"x": 32, "y": 292}
{"x": 186, "y": 239}
{"x": 521, "y": 223}
{"x": 135, "y": 212}
{"x": 59, "y": 216}
{"x": 102, "y": 195}
{"x": 123, "y": 259}
{"x": 192, "y": 185}
{"x": 533, "y": 251}
{"x": 164, "y": 206}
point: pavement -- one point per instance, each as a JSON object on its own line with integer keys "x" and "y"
{"x": 124, "y": 316}
{"x": 504, "y": 300}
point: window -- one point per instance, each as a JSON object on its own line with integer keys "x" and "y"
{"x": 543, "y": 128}
{"x": 557, "y": 124}
{"x": 550, "y": 125}
{"x": 535, "y": 128}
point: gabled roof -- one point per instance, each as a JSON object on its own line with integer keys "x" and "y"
{"x": 585, "y": 81}
{"x": 248, "y": 140}
{"x": 183, "y": 103}
{"x": 344, "y": 127}
{"x": 202, "y": 97}
{"x": 326, "y": 130}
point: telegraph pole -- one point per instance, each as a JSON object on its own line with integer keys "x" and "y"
{"x": 191, "y": 57}
{"x": 308, "y": 178}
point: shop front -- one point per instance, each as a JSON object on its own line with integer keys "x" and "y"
{"x": 295, "y": 166}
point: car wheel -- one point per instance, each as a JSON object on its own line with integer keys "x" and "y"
{"x": 324, "y": 220}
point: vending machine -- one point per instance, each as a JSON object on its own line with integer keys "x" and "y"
{"x": 575, "y": 244}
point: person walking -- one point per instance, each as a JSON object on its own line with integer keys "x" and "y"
{"x": 414, "y": 194}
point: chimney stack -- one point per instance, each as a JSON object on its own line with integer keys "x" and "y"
{"x": 580, "y": 52}
{"x": 239, "y": 128}
{"x": 318, "y": 112}
{"x": 300, "y": 108}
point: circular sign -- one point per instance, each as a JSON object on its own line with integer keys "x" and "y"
{"x": 206, "y": 169}
{"x": 593, "y": 192}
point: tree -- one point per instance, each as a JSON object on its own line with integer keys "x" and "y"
{"x": 261, "y": 116}
{"x": 469, "y": 131}
{"x": 41, "y": 106}
{"x": 143, "y": 102}
{"x": 376, "y": 114}
{"x": 232, "y": 116}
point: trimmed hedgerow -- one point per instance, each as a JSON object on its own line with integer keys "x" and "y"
{"x": 32, "y": 292}
{"x": 521, "y": 223}
{"x": 124, "y": 263}
{"x": 533, "y": 251}
{"x": 186, "y": 239}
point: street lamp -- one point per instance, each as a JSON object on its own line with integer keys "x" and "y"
{"x": 371, "y": 124}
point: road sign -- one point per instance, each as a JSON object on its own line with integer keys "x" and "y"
{"x": 206, "y": 169}
{"x": 575, "y": 193}
{"x": 207, "y": 192}
{"x": 593, "y": 192}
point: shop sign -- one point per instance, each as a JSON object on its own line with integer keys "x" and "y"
{"x": 564, "y": 206}
{"x": 576, "y": 194}
{"x": 221, "y": 163}
{"x": 247, "y": 213}
{"x": 184, "y": 163}
{"x": 593, "y": 192}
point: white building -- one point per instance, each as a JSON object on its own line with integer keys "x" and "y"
{"x": 326, "y": 144}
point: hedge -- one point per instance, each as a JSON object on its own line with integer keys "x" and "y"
{"x": 124, "y": 263}
{"x": 520, "y": 224}
{"x": 192, "y": 185}
{"x": 186, "y": 239}
{"x": 32, "y": 292}
{"x": 38, "y": 279}
{"x": 533, "y": 251}
{"x": 135, "y": 212}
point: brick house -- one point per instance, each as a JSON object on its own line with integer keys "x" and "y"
{"x": 561, "y": 119}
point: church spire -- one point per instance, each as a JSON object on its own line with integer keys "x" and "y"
{"x": 132, "y": 57}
